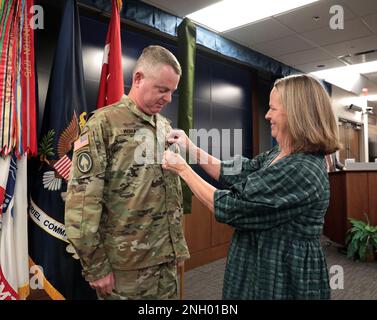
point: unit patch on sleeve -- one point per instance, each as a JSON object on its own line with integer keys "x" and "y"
{"x": 84, "y": 162}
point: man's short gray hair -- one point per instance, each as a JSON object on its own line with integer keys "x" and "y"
{"x": 154, "y": 56}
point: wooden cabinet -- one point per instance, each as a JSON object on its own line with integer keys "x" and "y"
{"x": 351, "y": 194}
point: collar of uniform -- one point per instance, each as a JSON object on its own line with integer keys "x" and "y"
{"x": 137, "y": 112}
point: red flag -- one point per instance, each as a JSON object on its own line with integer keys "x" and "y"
{"x": 111, "y": 86}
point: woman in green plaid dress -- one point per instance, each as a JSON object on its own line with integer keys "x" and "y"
{"x": 275, "y": 202}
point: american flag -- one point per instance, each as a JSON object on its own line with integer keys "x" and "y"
{"x": 14, "y": 268}
{"x": 81, "y": 142}
{"x": 63, "y": 167}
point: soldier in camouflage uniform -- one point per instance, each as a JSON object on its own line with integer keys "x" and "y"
{"x": 123, "y": 211}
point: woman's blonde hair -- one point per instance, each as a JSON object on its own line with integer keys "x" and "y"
{"x": 311, "y": 124}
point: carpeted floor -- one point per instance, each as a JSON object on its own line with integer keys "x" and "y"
{"x": 360, "y": 279}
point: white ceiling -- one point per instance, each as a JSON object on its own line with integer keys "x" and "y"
{"x": 298, "y": 40}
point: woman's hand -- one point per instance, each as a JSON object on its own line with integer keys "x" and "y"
{"x": 179, "y": 137}
{"x": 174, "y": 162}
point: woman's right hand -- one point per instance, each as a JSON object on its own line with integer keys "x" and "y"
{"x": 174, "y": 162}
{"x": 179, "y": 137}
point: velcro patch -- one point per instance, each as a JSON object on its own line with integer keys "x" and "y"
{"x": 82, "y": 141}
{"x": 84, "y": 162}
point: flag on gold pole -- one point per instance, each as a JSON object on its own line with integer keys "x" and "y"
{"x": 111, "y": 87}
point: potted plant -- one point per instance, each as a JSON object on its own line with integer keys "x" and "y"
{"x": 361, "y": 240}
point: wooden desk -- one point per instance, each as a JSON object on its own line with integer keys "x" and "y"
{"x": 351, "y": 194}
{"x": 207, "y": 239}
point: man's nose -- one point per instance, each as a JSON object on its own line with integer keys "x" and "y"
{"x": 267, "y": 116}
{"x": 168, "y": 97}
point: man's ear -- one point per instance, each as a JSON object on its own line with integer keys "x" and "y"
{"x": 138, "y": 77}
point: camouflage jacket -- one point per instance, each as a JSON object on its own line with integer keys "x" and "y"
{"x": 122, "y": 213}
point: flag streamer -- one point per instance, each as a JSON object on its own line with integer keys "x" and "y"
{"x": 17, "y": 79}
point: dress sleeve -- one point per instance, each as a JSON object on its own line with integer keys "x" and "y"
{"x": 271, "y": 196}
{"x": 83, "y": 207}
{"x": 237, "y": 169}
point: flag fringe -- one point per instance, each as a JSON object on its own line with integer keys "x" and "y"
{"x": 47, "y": 286}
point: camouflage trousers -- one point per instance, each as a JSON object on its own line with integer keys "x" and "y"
{"x": 157, "y": 282}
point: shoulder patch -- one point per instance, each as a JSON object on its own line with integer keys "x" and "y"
{"x": 84, "y": 162}
{"x": 82, "y": 141}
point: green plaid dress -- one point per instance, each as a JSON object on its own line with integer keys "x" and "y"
{"x": 277, "y": 212}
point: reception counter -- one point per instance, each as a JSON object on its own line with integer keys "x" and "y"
{"x": 352, "y": 193}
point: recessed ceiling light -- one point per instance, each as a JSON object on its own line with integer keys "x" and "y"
{"x": 229, "y": 14}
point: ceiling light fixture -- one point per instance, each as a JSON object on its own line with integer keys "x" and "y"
{"x": 346, "y": 77}
{"x": 229, "y": 14}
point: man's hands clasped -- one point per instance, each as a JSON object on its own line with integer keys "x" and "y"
{"x": 105, "y": 285}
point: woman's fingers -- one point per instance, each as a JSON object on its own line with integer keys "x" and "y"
{"x": 169, "y": 158}
{"x": 177, "y": 136}
{"x": 173, "y": 161}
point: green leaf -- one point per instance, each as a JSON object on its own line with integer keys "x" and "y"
{"x": 374, "y": 242}
{"x": 46, "y": 144}
{"x": 361, "y": 239}
{"x": 348, "y": 238}
{"x": 358, "y": 224}
{"x": 369, "y": 228}
{"x": 352, "y": 248}
{"x": 358, "y": 236}
{"x": 363, "y": 252}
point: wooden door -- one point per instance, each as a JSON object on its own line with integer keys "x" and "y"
{"x": 350, "y": 135}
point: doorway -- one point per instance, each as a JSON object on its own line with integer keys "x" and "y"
{"x": 350, "y": 135}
